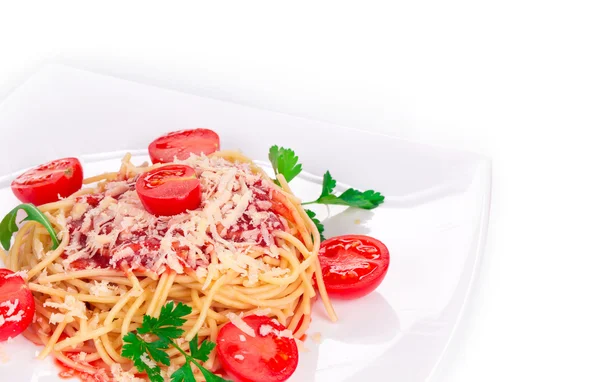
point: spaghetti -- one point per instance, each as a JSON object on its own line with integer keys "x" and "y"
{"x": 250, "y": 248}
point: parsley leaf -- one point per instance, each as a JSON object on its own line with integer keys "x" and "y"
{"x": 317, "y": 222}
{"x": 135, "y": 348}
{"x": 8, "y": 226}
{"x": 285, "y": 162}
{"x": 183, "y": 374}
{"x": 328, "y": 184}
{"x": 201, "y": 353}
{"x": 167, "y": 327}
{"x": 210, "y": 377}
{"x": 351, "y": 197}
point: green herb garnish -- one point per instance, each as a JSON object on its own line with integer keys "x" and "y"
{"x": 351, "y": 197}
{"x": 285, "y": 162}
{"x": 8, "y": 226}
{"x": 317, "y": 222}
{"x": 166, "y": 328}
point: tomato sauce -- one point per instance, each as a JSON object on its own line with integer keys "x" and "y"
{"x": 69, "y": 373}
{"x": 139, "y": 247}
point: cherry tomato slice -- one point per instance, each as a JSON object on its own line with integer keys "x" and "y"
{"x": 353, "y": 265}
{"x": 169, "y": 190}
{"x": 16, "y": 305}
{"x": 182, "y": 143}
{"x": 45, "y": 183}
{"x": 263, "y": 358}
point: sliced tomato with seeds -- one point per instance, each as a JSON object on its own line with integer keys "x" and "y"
{"x": 353, "y": 265}
{"x": 182, "y": 143}
{"x": 16, "y": 305}
{"x": 49, "y": 181}
{"x": 269, "y": 356}
{"x": 169, "y": 190}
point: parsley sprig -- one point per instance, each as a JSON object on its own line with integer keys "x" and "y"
{"x": 313, "y": 216}
{"x": 285, "y": 162}
{"x": 8, "y": 225}
{"x": 351, "y": 197}
{"x": 166, "y": 328}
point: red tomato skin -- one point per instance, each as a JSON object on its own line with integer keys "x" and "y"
{"x": 181, "y": 143}
{"x": 228, "y": 340}
{"x": 173, "y": 193}
{"x": 44, "y": 183}
{"x": 11, "y": 289}
{"x": 359, "y": 286}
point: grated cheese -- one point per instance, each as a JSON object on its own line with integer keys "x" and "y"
{"x": 79, "y": 209}
{"x": 233, "y": 218}
{"x": 277, "y": 272}
{"x": 238, "y": 211}
{"x": 21, "y": 274}
{"x": 16, "y": 317}
{"x": 2, "y": 320}
{"x": 239, "y": 357}
{"x": 60, "y": 219}
{"x": 285, "y": 334}
{"x": 120, "y": 375}
{"x": 265, "y": 330}
{"x": 93, "y": 324}
{"x": 166, "y": 374}
{"x": 242, "y": 337}
{"x": 38, "y": 248}
{"x": 240, "y": 324}
{"x": 149, "y": 362}
{"x": 56, "y": 318}
{"x": 11, "y": 306}
{"x": 102, "y": 288}
{"x": 262, "y": 312}
{"x": 201, "y": 273}
{"x": 72, "y": 306}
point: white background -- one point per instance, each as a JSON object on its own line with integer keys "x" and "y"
{"x": 518, "y": 81}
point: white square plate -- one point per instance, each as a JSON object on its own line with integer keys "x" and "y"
{"x": 434, "y": 218}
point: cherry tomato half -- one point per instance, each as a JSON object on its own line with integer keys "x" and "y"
{"x": 169, "y": 190}
{"x": 263, "y": 358}
{"x": 16, "y": 305}
{"x": 353, "y": 265}
{"x": 45, "y": 183}
{"x": 182, "y": 143}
